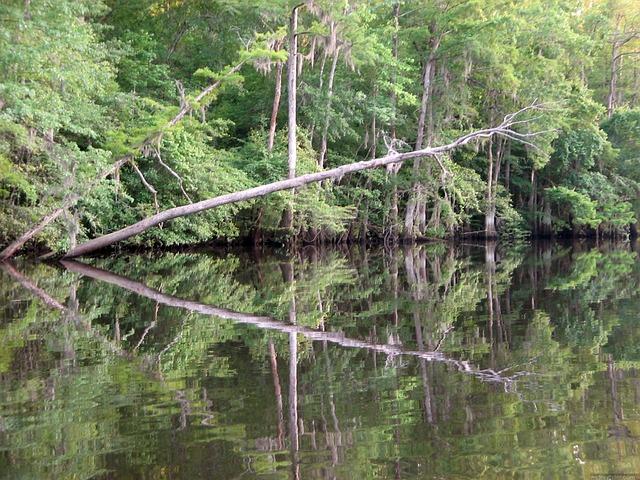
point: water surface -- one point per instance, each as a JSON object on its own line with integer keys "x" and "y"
{"x": 425, "y": 362}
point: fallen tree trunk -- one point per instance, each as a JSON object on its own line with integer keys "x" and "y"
{"x": 504, "y": 129}
{"x": 268, "y": 323}
{"x": 17, "y": 244}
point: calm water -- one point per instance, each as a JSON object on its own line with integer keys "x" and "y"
{"x": 429, "y": 362}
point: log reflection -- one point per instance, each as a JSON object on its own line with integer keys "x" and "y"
{"x": 267, "y": 323}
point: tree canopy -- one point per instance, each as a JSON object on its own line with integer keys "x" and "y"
{"x": 113, "y": 110}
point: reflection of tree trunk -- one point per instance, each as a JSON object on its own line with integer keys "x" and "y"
{"x": 417, "y": 278}
{"x": 278, "y": 392}
{"x": 259, "y": 321}
{"x": 289, "y": 278}
{"x": 618, "y": 429}
{"x": 396, "y": 431}
{"x": 333, "y": 439}
{"x": 490, "y": 269}
{"x": 71, "y": 316}
{"x": 293, "y": 404}
{"x": 428, "y": 400}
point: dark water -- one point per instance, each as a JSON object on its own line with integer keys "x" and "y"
{"x": 431, "y": 362}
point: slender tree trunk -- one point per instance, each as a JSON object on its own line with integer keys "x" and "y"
{"x": 276, "y": 106}
{"x": 427, "y": 77}
{"x": 325, "y": 128}
{"x": 613, "y": 70}
{"x": 394, "y": 106}
{"x": 416, "y": 209}
{"x": 182, "y": 30}
{"x": 292, "y": 86}
{"x": 394, "y": 75}
{"x": 490, "y": 231}
{"x": 636, "y": 88}
{"x": 320, "y": 85}
{"x": 533, "y": 200}
{"x": 374, "y": 134}
{"x": 613, "y": 80}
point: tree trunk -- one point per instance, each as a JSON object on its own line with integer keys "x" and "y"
{"x": 636, "y": 88}
{"x": 70, "y": 201}
{"x": 416, "y": 208}
{"x": 427, "y": 77}
{"x": 394, "y": 106}
{"x": 394, "y": 74}
{"x": 613, "y": 80}
{"x": 325, "y": 128}
{"x": 276, "y": 106}
{"x": 409, "y": 218}
{"x": 533, "y": 200}
{"x": 490, "y": 231}
{"x": 613, "y": 69}
{"x": 292, "y": 86}
{"x": 320, "y": 85}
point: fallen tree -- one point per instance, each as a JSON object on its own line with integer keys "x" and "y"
{"x": 71, "y": 200}
{"x": 505, "y": 129}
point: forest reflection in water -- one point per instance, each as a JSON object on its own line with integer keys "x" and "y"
{"x": 425, "y": 362}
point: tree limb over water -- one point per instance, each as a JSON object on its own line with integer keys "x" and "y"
{"x": 505, "y": 129}
{"x": 268, "y": 323}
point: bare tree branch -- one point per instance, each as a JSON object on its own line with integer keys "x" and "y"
{"x": 147, "y": 185}
{"x": 172, "y": 172}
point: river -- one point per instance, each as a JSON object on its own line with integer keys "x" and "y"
{"x": 434, "y": 361}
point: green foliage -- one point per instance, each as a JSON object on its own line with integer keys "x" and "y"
{"x": 115, "y": 382}
{"x": 84, "y": 83}
{"x": 573, "y": 209}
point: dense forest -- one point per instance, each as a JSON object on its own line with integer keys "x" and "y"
{"x": 113, "y": 111}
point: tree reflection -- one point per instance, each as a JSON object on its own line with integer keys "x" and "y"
{"x": 426, "y": 361}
